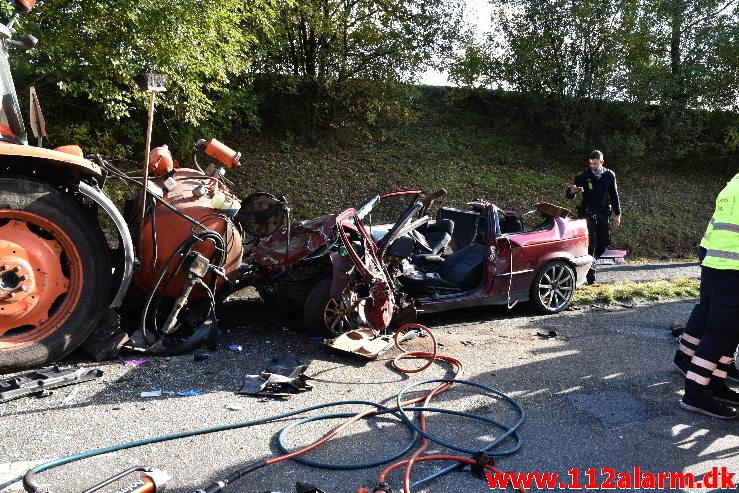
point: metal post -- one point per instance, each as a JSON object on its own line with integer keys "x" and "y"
{"x": 152, "y": 94}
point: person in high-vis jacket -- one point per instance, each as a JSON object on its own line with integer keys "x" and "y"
{"x": 706, "y": 391}
{"x": 696, "y": 324}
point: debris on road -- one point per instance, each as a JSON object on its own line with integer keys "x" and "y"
{"x": 71, "y": 396}
{"x": 39, "y": 381}
{"x": 283, "y": 377}
{"x": 190, "y": 393}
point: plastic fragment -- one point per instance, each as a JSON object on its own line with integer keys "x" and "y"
{"x": 232, "y": 407}
{"x": 71, "y": 396}
{"x": 189, "y": 393}
{"x": 136, "y": 362}
{"x": 235, "y": 347}
{"x": 151, "y": 393}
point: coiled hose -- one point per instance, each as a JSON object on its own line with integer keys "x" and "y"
{"x": 400, "y": 410}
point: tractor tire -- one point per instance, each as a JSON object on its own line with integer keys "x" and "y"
{"x": 55, "y": 274}
{"x": 553, "y": 287}
{"x": 323, "y": 314}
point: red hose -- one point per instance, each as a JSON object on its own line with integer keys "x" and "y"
{"x": 431, "y": 357}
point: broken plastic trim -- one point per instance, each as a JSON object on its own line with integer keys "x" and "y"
{"x": 44, "y": 379}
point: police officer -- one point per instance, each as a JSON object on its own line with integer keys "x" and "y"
{"x": 706, "y": 391}
{"x": 600, "y": 197}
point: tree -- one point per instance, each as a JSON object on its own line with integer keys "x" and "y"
{"x": 684, "y": 53}
{"x": 94, "y": 48}
{"x": 335, "y": 51}
{"x": 564, "y": 47}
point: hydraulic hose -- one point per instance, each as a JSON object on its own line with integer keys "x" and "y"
{"x": 400, "y": 410}
{"x": 29, "y": 479}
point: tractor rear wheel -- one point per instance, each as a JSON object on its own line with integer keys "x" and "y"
{"x": 55, "y": 274}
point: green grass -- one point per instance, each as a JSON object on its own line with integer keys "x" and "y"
{"x": 628, "y": 291}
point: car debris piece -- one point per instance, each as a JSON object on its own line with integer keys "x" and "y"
{"x": 611, "y": 257}
{"x": 70, "y": 397}
{"x": 283, "y": 377}
{"x": 364, "y": 342}
{"x": 41, "y": 380}
{"x": 190, "y": 393}
{"x": 201, "y": 356}
{"x": 285, "y": 365}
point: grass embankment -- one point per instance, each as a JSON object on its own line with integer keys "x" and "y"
{"x": 630, "y": 291}
{"x": 472, "y": 156}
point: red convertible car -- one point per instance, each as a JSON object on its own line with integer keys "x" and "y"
{"x": 357, "y": 269}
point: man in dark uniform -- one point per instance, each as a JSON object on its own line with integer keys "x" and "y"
{"x": 599, "y": 199}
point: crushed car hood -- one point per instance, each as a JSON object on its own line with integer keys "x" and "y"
{"x": 306, "y": 238}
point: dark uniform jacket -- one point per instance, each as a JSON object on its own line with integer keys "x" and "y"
{"x": 599, "y": 194}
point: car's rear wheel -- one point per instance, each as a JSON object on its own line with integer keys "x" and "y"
{"x": 553, "y": 287}
{"x": 55, "y": 274}
{"x": 323, "y": 314}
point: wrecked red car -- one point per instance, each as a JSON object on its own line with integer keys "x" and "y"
{"x": 347, "y": 275}
{"x": 292, "y": 273}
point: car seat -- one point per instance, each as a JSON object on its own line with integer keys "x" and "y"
{"x": 435, "y": 243}
{"x": 461, "y": 271}
{"x": 465, "y": 226}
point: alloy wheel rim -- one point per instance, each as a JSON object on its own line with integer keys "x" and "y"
{"x": 556, "y": 287}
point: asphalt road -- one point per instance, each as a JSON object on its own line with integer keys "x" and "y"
{"x": 600, "y": 394}
{"x": 647, "y": 272}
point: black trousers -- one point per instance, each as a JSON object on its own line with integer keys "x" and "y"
{"x": 720, "y": 290}
{"x": 696, "y": 324}
{"x": 599, "y": 231}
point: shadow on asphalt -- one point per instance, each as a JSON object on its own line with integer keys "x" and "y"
{"x": 600, "y": 394}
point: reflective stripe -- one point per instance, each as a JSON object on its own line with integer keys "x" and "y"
{"x": 720, "y": 374}
{"x": 688, "y": 338}
{"x": 726, "y": 227}
{"x": 725, "y": 360}
{"x": 709, "y": 228}
{"x": 685, "y": 349}
{"x": 697, "y": 378}
{"x": 723, "y": 254}
{"x": 703, "y": 363}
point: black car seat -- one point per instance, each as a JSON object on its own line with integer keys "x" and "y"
{"x": 441, "y": 236}
{"x": 465, "y": 226}
{"x": 461, "y": 271}
{"x": 434, "y": 244}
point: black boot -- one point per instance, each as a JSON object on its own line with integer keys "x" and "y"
{"x": 699, "y": 399}
{"x": 722, "y": 393}
{"x": 680, "y": 362}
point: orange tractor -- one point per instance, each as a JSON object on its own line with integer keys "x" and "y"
{"x": 179, "y": 244}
